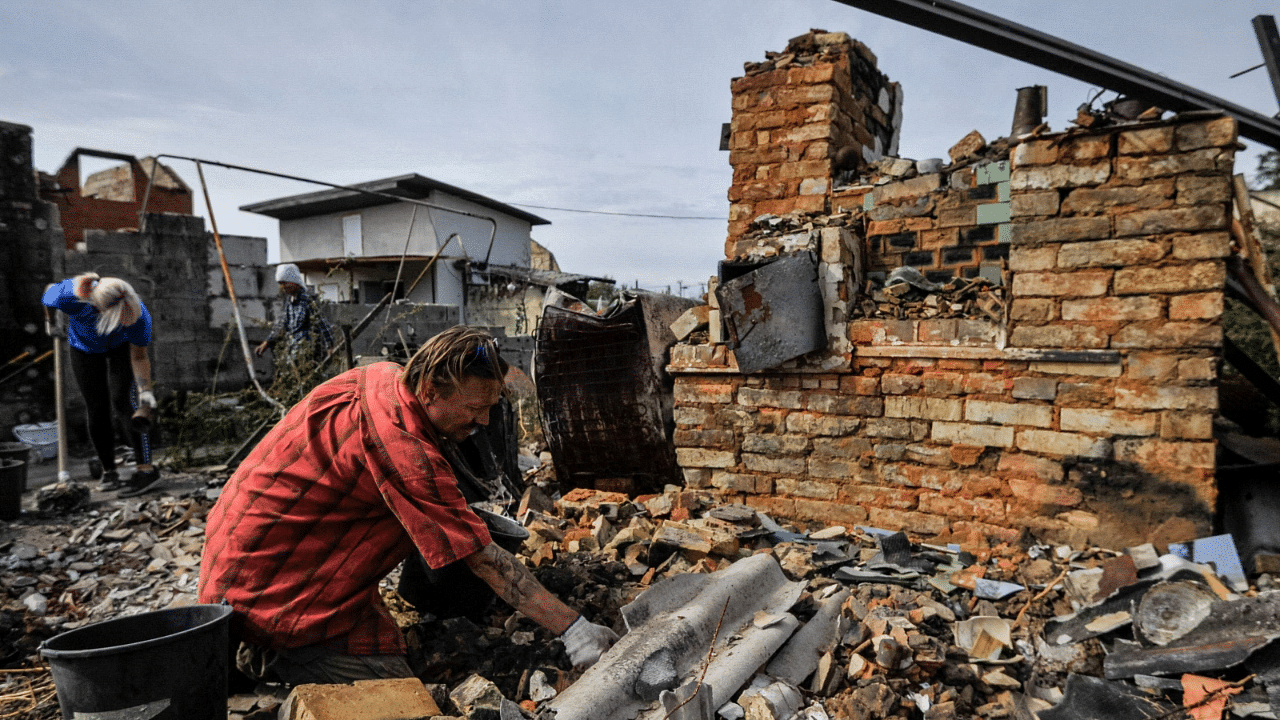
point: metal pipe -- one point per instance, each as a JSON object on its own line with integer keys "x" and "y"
{"x": 231, "y": 291}
{"x": 1264, "y": 26}
{"x": 146, "y": 196}
{"x": 25, "y": 367}
{"x": 991, "y": 32}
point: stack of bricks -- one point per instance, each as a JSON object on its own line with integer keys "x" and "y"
{"x": 1086, "y": 416}
{"x": 792, "y": 114}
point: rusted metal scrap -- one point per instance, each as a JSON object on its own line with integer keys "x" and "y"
{"x": 605, "y": 407}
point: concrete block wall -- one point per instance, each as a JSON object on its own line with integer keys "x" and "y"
{"x": 1084, "y": 415}
{"x": 29, "y": 233}
{"x": 175, "y": 268}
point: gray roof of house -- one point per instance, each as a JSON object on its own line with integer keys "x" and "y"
{"x": 414, "y": 186}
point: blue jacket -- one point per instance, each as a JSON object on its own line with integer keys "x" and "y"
{"x": 82, "y": 331}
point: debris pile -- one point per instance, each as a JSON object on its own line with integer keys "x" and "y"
{"x": 730, "y": 614}
{"x": 73, "y": 562}
{"x": 907, "y": 294}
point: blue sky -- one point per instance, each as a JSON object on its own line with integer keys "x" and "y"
{"x": 598, "y": 106}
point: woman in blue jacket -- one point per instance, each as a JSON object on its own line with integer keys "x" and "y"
{"x": 108, "y": 333}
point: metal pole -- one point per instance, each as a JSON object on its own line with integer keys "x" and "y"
{"x": 994, "y": 33}
{"x": 1264, "y": 26}
{"x": 231, "y": 291}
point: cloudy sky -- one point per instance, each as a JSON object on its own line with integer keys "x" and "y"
{"x": 604, "y": 106}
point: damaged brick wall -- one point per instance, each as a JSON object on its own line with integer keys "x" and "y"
{"x": 796, "y": 117}
{"x": 111, "y": 199}
{"x": 1080, "y": 408}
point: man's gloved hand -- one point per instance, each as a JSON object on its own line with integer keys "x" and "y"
{"x": 147, "y": 399}
{"x": 586, "y": 642}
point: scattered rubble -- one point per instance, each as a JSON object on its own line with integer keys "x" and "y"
{"x": 863, "y": 622}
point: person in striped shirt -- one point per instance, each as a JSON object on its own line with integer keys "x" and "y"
{"x": 338, "y": 493}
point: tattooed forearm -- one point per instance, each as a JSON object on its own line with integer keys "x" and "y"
{"x": 515, "y": 584}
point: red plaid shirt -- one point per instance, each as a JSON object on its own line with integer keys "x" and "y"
{"x": 330, "y": 501}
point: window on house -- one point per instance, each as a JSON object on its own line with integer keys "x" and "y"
{"x": 352, "y": 238}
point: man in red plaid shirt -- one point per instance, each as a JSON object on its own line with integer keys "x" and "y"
{"x": 342, "y": 490}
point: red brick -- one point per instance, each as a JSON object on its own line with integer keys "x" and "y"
{"x": 860, "y": 385}
{"x": 1209, "y": 275}
{"x": 1180, "y": 219}
{"x": 1213, "y": 133}
{"x": 912, "y": 522}
{"x": 967, "y": 508}
{"x": 1046, "y": 495}
{"x": 1159, "y": 455}
{"x": 1110, "y": 252}
{"x": 694, "y": 391}
{"x": 970, "y": 434}
{"x": 1081, "y": 283}
{"x": 758, "y": 81}
{"x": 1147, "y": 141}
{"x": 1146, "y": 167}
{"x": 1135, "y": 307}
{"x": 1198, "y": 306}
{"x": 1035, "y": 152}
{"x": 1022, "y": 464}
{"x": 1169, "y": 335}
{"x": 1058, "y": 336}
{"x": 966, "y": 455}
{"x": 829, "y": 513}
{"x": 722, "y": 439}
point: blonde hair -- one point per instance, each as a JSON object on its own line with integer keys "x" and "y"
{"x": 447, "y": 358}
{"x": 114, "y": 299}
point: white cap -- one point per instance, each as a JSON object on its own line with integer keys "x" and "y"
{"x": 288, "y": 272}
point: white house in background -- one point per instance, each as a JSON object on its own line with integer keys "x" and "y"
{"x": 349, "y": 244}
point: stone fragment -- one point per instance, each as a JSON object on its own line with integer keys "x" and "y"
{"x": 399, "y": 699}
{"x": 969, "y": 145}
{"x": 695, "y": 318}
{"x": 478, "y": 699}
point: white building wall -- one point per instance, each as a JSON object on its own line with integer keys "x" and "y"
{"x": 384, "y": 229}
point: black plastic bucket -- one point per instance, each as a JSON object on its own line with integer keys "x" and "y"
{"x": 167, "y": 664}
{"x": 453, "y": 590}
{"x": 17, "y": 451}
{"x": 13, "y": 481}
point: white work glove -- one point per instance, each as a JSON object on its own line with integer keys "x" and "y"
{"x": 147, "y": 399}
{"x": 586, "y": 642}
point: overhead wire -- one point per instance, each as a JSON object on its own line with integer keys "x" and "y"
{"x": 620, "y": 214}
